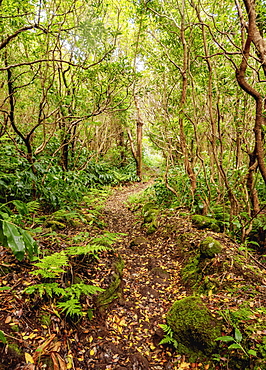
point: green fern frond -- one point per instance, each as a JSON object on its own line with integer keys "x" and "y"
{"x": 107, "y": 238}
{"x": 33, "y": 206}
{"x": 49, "y": 288}
{"x": 76, "y": 290}
{"x": 84, "y": 249}
{"x": 51, "y": 266}
{"x": 72, "y": 307}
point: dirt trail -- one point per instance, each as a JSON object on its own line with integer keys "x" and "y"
{"x": 150, "y": 286}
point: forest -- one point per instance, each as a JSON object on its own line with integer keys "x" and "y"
{"x": 132, "y": 185}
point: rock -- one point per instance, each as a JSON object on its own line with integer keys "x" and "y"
{"x": 209, "y": 247}
{"x": 195, "y": 329}
{"x": 203, "y": 222}
{"x": 114, "y": 290}
{"x": 185, "y": 241}
{"x": 150, "y": 212}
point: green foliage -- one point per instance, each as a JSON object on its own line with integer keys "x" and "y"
{"x": 51, "y": 266}
{"x": 169, "y": 336}
{"x": 2, "y": 337}
{"x": 71, "y": 307}
{"x": 136, "y": 201}
{"x": 17, "y": 239}
{"x": 236, "y": 342}
{"x": 56, "y": 265}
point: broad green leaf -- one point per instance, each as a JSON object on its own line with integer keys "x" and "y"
{"x": 14, "y": 239}
{"x": 2, "y": 337}
{"x": 30, "y": 244}
{"x": 235, "y": 346}
{"x": 238, "y": 335}
{"x": 226, "y": 339}
{"x": 252, "y": 352}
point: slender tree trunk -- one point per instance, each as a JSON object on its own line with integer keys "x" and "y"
{"x": 183, "y": 143}
{"x": 139, "y": 141}
{"x": 253, "y": 36}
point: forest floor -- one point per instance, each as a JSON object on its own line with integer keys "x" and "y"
{"x": 126, "y": 334}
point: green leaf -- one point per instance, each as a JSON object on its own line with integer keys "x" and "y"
{"x": 235, "y": 346}
{"x": 14, "y": 239}
{"x": 166, "y": 340}
{"x": 226, "y": 339}
{"x": 252, "y": 352}
{"x": 2, "y": 337}
{"x": 4, "y": 288}
{"x": 30, "y": 244}
{"x": 238, "y": 335}
{"x": 90, "y": 313}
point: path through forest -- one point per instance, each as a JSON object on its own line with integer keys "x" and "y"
{"x": 128, "y": 337}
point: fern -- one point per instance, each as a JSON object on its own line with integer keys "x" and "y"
{"x": 84, "y": 249}
{"x": 47, "y": 288}
{"x": 76, "y": 290}
{"x": 107, "y": 238}
{"x": 169, "y": 336}
{"x": 72, "y": 307}
{"x": 51, "y": 266}
{"x": 33, "y": 206}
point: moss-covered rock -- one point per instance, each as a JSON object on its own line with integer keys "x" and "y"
{"x": 204, "y": 222}
{"x": 209, "y": 247}
{"x": 114, "y": 290}
{"x": 195, "y": 329}
{"x": 150, "y": 212}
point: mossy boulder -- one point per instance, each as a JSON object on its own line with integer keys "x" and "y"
{"x": 150, "y": 212}
{"x": 204, "y": 222}
{"x": 194, "y": 327}
{"x": 114, "y": 290}
{"x": 209, "y": 247}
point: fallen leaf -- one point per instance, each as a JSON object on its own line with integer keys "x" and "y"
{"x": 28, "y": 358}
{"x": 8, "y": 319}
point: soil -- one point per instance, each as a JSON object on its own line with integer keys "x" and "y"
{"x": 124, "y": 335}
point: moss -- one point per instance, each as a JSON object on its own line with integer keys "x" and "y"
{"x": 195, "y": 329}
{"x": 209, "y": 247}
{"x": 14, "y": 328}
{"x": 151, "y": 229}
{"x": 203, "y": 222}
{"x": 191, "y": 273}
{"x": 14, "y": 349}
{"x": 114, "y": 290}
{"x": 184, "y": 241}
{"x": 150, "y": 212}
{"x": 138, "y": 241}
{"x": 45, "y": 318}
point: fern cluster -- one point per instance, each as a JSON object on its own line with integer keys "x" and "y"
{"x": 55, "y": 265}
